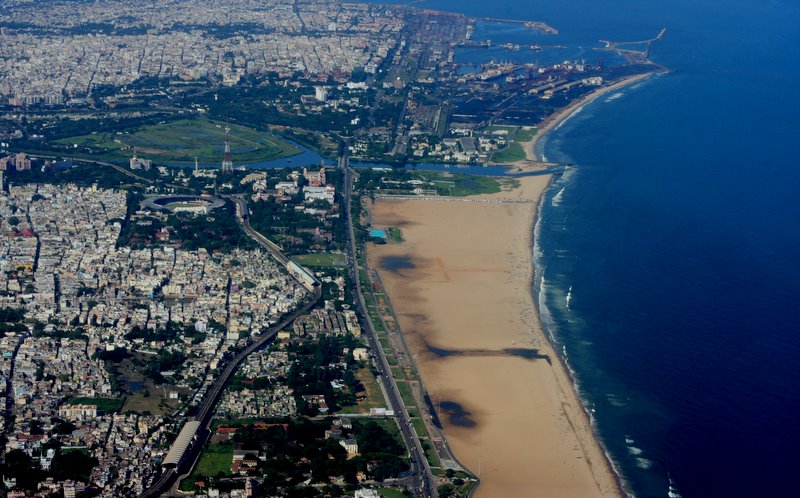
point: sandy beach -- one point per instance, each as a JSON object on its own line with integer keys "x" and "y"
{"x": 461, "y": 287}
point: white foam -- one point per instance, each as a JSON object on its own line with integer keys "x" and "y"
{"x": 567, "y": 175}
{"x": 614, "y": 97}
{"x": 556, "y": 200}
{"x": 615, "y": 401}
{"x": 633, "y": 450}
{"x": 568, "y": 299}
{"x": 672, "y": 492}
{"x": 571, "y": 115}
{"x": 643, "y": 463}
{"x": 540, "y": 287}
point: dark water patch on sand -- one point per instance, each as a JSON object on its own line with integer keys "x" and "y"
{"x": 395, "y": 263}
{"x": 525, "y": 353}
{"x": 457, "y": 414}
{"x": 528, "y": 354}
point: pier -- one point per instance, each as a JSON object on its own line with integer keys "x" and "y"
{"x": 632, "y": 55}
{"x": 537, "y": 25}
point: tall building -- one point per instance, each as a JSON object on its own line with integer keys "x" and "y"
{"x": 22, "y": 162}
{"x": 321, "y": 93}
{"x": 227, "y": 163}
{"x": 139, "y": 163}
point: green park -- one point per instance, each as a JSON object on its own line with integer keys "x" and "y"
{"x": 181, "y": 141}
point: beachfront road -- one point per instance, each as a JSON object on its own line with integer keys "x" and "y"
{"x": 425, "y": 484}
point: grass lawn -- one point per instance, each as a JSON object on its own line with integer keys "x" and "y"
{"x": 323, "y": 259}
{"x": 430, "y": 454}
{"x": 395, "y": 235}
{"x": 398, "y": 373}
{"x": 215, "y": 460}
{"x": 494, "y": 128}
{"x": 372, "y": 390}
{"x": 105, "y": 405}
{"x": 419, "y": 426}
{"x": 182, "y": 140}
{"x": 514, "y": 152}
{"x": 405, "y": 393}
{"x": 524, "y": 135}
{"x": 65, "y": 451}
{"x": 460, "y": 184}
{"x": 391, "y": 493}
{"x": 388, "y": 424}
{"x": 474, "y": 185}
{"x": 155, "y": 403}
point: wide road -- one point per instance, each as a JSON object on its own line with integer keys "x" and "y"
{"x": 117, "y": 167}
{"x": 425, "y": 483}
{"x": 243, "y": 214}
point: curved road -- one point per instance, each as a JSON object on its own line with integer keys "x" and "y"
{"x": 206, "y": 411}
{"x": 426, "y": 484}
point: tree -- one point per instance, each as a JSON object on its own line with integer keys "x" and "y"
{"x": 446, "y": 490}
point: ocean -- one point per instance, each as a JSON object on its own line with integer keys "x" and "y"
{"x": 667, "y": 254}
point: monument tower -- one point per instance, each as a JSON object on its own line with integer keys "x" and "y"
{"x": 227, "y": 163}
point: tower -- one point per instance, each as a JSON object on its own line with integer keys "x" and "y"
{"x": 227, "y": 164}
{"x": 196, "y": 169}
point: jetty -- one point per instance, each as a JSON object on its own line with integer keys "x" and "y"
{"x": 537, "y": 25}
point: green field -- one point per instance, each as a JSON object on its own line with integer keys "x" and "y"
{"x": 524, "y": 135}
{"x": 215, "y": 460}
{"x": 460, "y": 185}
{"x": 430, "y": 454}
{"x": 181, "y": 141}
{"x": 105, "y": 405}
{"x": 398, "y": 373}
{"x": 371, "y": 389}
{"x": 388, "y": 424}
{"x": 323, "y": 259}
{"x": 391, "y": 493}
{"x": 494, "y": 128}
{"x": 514, "y": 152}
{"x": 405, "y": 393}
{"x": 419, "y": 426}
{"x": 395, "y": 235}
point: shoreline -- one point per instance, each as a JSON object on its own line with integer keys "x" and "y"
{"x": 570, "y": 374}
{"x": 533, "y": 161}
{"x": 551, "y": 124}
{"x": 535, "y": 431}
{"x": 598, "y": 475}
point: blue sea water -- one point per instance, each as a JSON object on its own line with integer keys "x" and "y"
{"x": 668, "y": 253}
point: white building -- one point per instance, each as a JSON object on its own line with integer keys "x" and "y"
{"x": 79, "y": 412}
{"x": 350, "y": 445}
{"x": 325, "y": 193}
{"x": 139, "y": 163}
